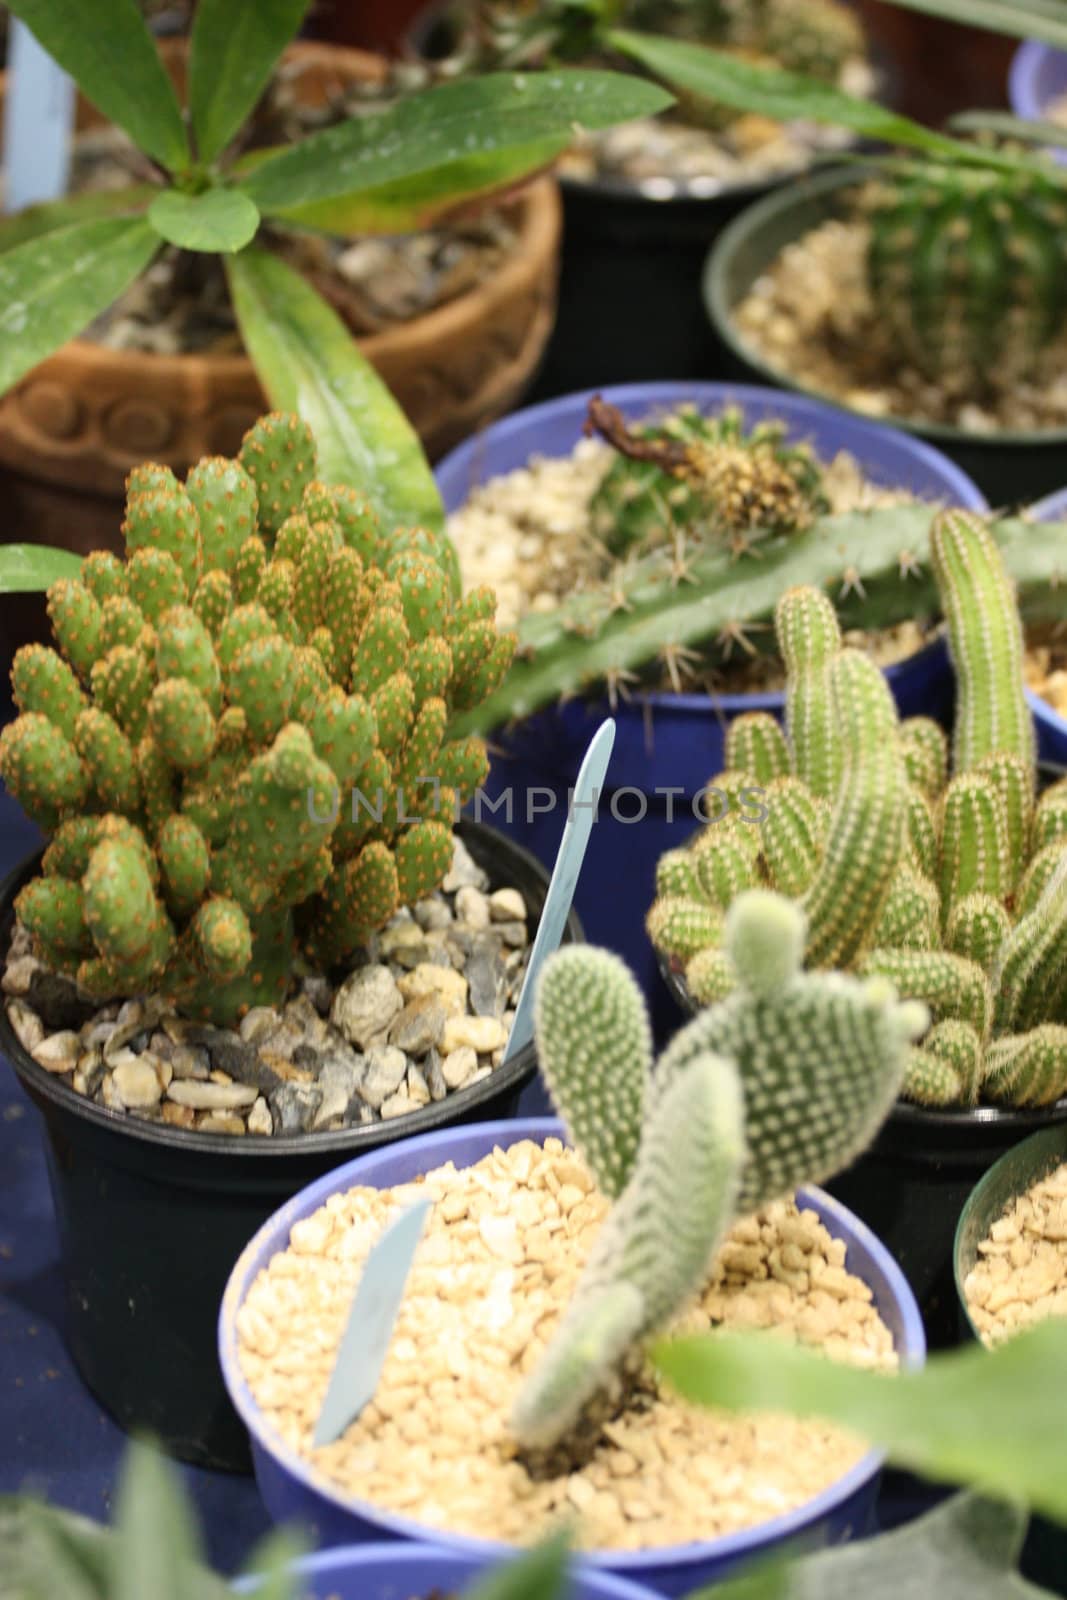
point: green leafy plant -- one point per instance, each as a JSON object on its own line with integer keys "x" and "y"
{"x": 784, "y": 1083}
{"x": 954, "y": 888}
{"x": 241, "y": 745}
{"x": 395, "y": 170}
{"x": 153, "y": 1549}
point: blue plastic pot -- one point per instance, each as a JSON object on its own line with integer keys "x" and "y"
{"x": 666, "y": 741}
{"x": 412, "y": 1571}
{"x": 1051, "y": 727}
{"x": 1038, "y": 76}
{"x": 291, "y": 1492}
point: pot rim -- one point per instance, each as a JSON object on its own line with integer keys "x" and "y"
{"x": 426, "y": 1560}
{"x": 343, "y": 1141}
{"x": 434, "y": 1147}
{"x": 1052, "y": 1136}
{"x": 720, "y": 313}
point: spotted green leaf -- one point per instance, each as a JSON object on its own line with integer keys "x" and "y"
{"x": 35, "y": 221}
{"x": 218, "y": 220}
{"x": 232, "y": 52}
{"x": 30, "y": 568}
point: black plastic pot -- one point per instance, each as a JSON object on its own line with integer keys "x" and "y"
{"x": 1011, "y": 469}
{"x": 911, "y": 1185}
{"x": 629, "y": 294}
{"x": 152, "y": 1218}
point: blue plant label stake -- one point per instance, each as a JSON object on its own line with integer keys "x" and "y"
{"x": 38, "y": 119}
{"x": 565, "y": 874}
{"x": 365, "y": 1341}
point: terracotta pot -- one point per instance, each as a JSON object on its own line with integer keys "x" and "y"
{"x": 75, "y": 425}
{"x": 935, "y": 68}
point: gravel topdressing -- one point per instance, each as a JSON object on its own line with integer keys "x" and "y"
{"x": 499, "y": 1258}
{"x": 1020, "y": 1276}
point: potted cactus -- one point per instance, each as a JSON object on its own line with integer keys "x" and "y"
{"x": 950, "y": 886}
{"x": 240, "y": 751}
{"x": 731, "y": 1119}
{"x": 646, "y": 587}
{"x": 906, "y": 292}
{"x": 643, "y": 208}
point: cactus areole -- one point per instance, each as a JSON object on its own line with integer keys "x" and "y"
{"x": 240, "y": 744}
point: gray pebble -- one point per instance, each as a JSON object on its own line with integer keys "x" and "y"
{"x": 338, "y": 1080}
{"x": 418, "y": 1088}
{"x": 432, "y": 915}
{"x": 211, "y": 1096}
{"x": 487, "y": 978}
{"x": 507, "y": 905}
{"x": 398, "y": 1105}
{"x": 58, "y": 1001}
{"x": 512, "y": 934}
{"x": 29, "y": 1029}
{"x": 58, "y": 1052}
{"x": 319, "y": 991}
{"x": 464, "y": 871}
{"x": 384, "y": 1073}
{"x": 366, "y": 1004}
{"x": 472, "y": 908}
{"x": 419, "y": 1026}
{"x": 294, "y": 1106}
{"x": 435, "y": 1078}
{"x": 458, "y": 1066}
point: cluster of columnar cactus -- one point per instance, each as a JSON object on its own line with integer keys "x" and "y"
{"x": 817, "y": 37}
{"x": 784, "y": 1083}
{"x": 707, "y": 477}
{"x": 946, "y": 876}
{"x": 965, "y": 266}
{"x": 241, "y": 745}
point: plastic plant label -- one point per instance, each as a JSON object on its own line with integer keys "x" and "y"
{"x": 38, "y": 119}
{"x": 565, "y": 874}
{"x": 365, "y": 1341}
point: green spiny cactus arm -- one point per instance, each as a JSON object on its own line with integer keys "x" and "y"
{"x": 42, "y": 681}
{"x": 122, "y": 682}
{"x": 724, "y": 866}
{"x": 77, "y": 624}
{"x": 1031, "y": 975}
{"x": 155, "y": 582}
{"x": 481, "y": 658}
{"x": 659, "y": 1240}
{"x": 104, "y": 575}
{"x": 949, "y": 984}
{"x": 911, "y": 916}
{"x": 260, "y": 681}
{"x": 925, "y": 750}
{"x": 278, "y": 454}
{"x": 184, "y": 863}
{"x": 680, "y": 927}
{"x": 931, "y": 1081}
{"x": 263, "y": 982}
{"x": 1050, "y": 817}
{"x": 393, "y": 703}
{"x": 382, "y": 648}
{"x": 42, "y": 768}
{"x": 977, "y": 928}
{"x": 67, "y": 856}
{"x": 463, "y": 765}
{"x": 821, "y": 1056}
{"x": 354, "y": 515}
{"x": 247, "y": 569}
{"x": 676, "y": 875}
{"x": 958, "y": 1044}
{"x": 710, "y": 976}
{"x": 343, "y": 730}
{"x": 809, "y": 638}
{"x": 594, "y": 1049}
{"x": 792, "y": 835}
{"x": 121, "y": 908}
{"x": 157, "y": 783}
{"x": 978, "y": 600}
{"x": 109, "y": 760}
{"x": 426, "y": 593}
{"x": 166, "y": 519}
{"x": 360, "y": 896}
{"x": 122, "y": 622}
{"x": 920, "y": 833}
{"x": 866, "y": 835}
{"x": 185, "y": 649}
{"x": 223, "y": 938}
{"x": 224, "y": 497}
{"x": 53, "y": 910}
{"x": 430, "y": 668}
{"x": 588, "y": 639}
{"x": 423, "y": 855}
{"x": 973, "y": 847}
{"x": 213, "y": 600}
{"x": 755, "y": 743}
{"x": 1039, "y": 874}
{"x": 1027, "y": 1069}
{"x": 181, "y": 724}
{"x": 1014, "y": 782}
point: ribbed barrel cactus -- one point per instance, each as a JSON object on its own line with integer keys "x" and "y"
{"x": 949, "y": 878}
{"x": 240, "y": 745}
{"x": 965, "y": 265}
{"x": 783, "y": 1083}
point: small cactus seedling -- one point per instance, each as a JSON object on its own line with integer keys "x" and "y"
{"x": 783, "y": 1083}
{"x": 948, "y": 884}
{"x": 241, "y": 745}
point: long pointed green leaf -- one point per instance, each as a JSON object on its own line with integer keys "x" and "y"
{"x": 31, "y": 568}
{"x": 215, "y": 221}
{"x": 51, "y": 287}
{"x": 308, "y": 362}
{"x": 448, "y": 134}
{"x": 1005, "y": 126}
{"x": 783, "y": 96}
{"x": 966, "y": 1549}
{"x": 158, "y": 1546}
{"x": 991, "y": 1420}
{"x": 414, "y": 203}
{"x": 232, "y": 52}
{"x": 109, "y": 52}
{"x": 1019, "y": 19}
{"x": 35, "y": 221}
{"x": 46, "y": 1552}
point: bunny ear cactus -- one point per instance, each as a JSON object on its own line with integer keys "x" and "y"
{"x": 948, "y": 885}
{"x": 783, "y": 1083}
{"x": 251, "y": 758}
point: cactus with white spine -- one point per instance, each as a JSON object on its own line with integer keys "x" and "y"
{"x": 964, "y": 906}
{"x": 216, "y": 701}
{"x": 783, "y": 1083}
